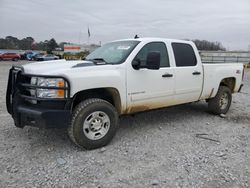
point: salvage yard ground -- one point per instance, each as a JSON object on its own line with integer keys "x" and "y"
{"x": 182, "y": 146}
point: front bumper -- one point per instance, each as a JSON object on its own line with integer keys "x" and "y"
{"x": 43, "y": 118}
{"x": 31, "y": 111}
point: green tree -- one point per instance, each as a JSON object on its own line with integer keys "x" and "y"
{"x": 207, "y": 45}
{"x": 11, "y": 42}
{"x": 51, "y": 45}
{"x": 61, "y": 45}
{"x": 26, "y": 43}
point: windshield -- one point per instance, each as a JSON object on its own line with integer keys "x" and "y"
{"x": 114, "y": 52}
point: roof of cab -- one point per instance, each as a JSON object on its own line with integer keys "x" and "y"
{"x": 149, "y": 39}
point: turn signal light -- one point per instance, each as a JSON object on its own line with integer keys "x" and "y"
{"x": 60, "y": 92}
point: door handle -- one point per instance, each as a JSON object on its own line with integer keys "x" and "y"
{"x": 167, "y": 75}
{"x": 196, "y": 73}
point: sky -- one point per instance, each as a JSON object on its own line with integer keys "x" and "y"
{"x": 226, "y": 21}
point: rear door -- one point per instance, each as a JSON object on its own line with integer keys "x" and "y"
{"x": 188, "y": 73}
{"x": 149, "y": 89}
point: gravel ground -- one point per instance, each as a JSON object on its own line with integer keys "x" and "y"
{"x": 152, "y": 149}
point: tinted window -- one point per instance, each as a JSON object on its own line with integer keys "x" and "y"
{"x": 184, "y": 55}
{"x": 154, "y": 47}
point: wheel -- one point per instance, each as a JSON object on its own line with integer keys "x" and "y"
{"x": 94, "y": 123}
{"x": 15, "y": 59}
{"x": 221, "y": 103}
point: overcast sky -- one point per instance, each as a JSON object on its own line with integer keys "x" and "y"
{"x": 227, "y": 21}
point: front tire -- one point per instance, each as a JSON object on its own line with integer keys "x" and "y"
{"x": 94, "y": 123}
{"x": 221, "y": 103}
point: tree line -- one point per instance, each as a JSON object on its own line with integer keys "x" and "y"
{"x": 210, "y": 46}
{"x": 29, "y": 43}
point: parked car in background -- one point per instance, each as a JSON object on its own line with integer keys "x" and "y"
{"x": 30, "y": 56}
{"x": 26, "y": 55}
{"x": 10, "y": 56}
{"x": 37, "y": 56}
{"x": 22, "y": 55}
{"x": 47, "y": 57}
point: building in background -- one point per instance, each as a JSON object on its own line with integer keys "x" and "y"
{"x": 76, "y": 48}
{"x": 76, "y": 51}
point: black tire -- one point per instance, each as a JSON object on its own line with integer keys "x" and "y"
{"x": 81, "y": 114}
{"x": 215, "y": 104}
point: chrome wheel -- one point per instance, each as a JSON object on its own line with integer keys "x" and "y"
{"x": 96, "y": 125}
{"x": 224, "y": 100}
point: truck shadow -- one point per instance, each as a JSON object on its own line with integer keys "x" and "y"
{"x": 130, "y": 126}
{"x": 163, "y": 117}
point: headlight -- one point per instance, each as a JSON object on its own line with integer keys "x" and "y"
{"x": 47, "y": 92}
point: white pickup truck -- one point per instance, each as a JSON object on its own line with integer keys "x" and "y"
{"x": 121, "y": 77}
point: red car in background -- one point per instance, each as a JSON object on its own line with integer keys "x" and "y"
{"x": 10, "y": 56}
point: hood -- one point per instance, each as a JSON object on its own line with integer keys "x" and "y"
{"x": 55, "y": 67}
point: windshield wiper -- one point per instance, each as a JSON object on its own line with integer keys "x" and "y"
{"x": 98, "y": 61}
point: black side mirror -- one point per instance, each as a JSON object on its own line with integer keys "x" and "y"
{"x": 153, "y": 60}
{"x": 136, "y": 64}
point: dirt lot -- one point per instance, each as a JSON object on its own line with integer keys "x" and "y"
{"x": 153, "y": 149}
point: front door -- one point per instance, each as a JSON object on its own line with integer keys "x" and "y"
{"x": 149, "y": 89}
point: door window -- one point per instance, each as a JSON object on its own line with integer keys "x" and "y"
{"x": 153, "y": 47}
{"x": 184, "y": 55}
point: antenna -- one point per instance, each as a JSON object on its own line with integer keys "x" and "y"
{"x": 136, "y": 37}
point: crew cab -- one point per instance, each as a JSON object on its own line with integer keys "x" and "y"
{"x": 121, "y": 77}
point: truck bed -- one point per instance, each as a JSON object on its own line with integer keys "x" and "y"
{"x": 219, "y": 71}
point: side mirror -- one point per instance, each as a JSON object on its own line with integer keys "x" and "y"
{"x": 136, "y": 64}
{"x": 153, "y": 60}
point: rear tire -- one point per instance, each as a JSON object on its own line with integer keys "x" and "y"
{"x": 94, "y": 123}
{"x": 221, "y": 103}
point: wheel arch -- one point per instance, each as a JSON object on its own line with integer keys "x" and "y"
{"x": 109, "y": 94}
{"x": 230, "y": 82}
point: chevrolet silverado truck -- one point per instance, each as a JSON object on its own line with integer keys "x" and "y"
{"x": 121, "y": 77}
